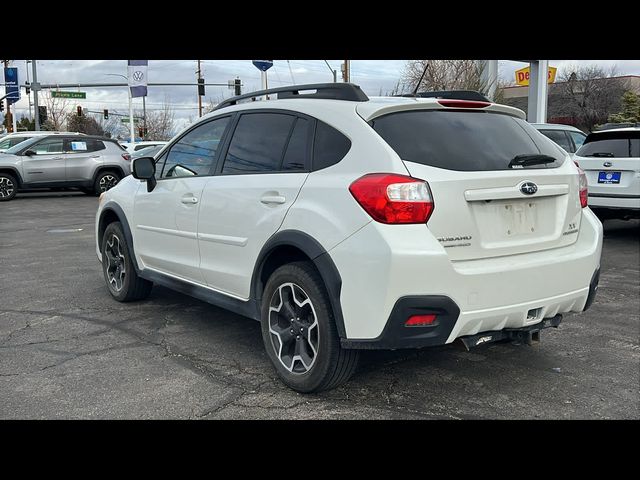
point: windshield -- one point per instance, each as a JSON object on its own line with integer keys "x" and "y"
{"x": 27, "y": 143}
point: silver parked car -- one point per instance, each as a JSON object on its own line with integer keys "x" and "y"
{"x": 13, "y": 139}
{"x": 92, "y": 164}
{"x": 568, "y": 137}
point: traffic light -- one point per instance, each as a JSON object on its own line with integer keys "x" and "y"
{"x": 42, "y": 113}
{"x": 140, "y": 132}
{"x": 27, "y": 89}
{"x": 106, "y": 114}
{"x": 201, "y": 87}
{"x": 1, "y": 105}
{"x": 238, "y": 86}
{"x": 79, "y": 111}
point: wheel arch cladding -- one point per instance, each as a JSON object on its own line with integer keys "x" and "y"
{"x": 14, "y": 173}
{"x": 112, "y": 212}
{"x": 109, "y": 168}
{"x": 293, "y": 245}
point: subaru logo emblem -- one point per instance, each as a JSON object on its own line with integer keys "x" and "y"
{"x": 607, "y": 164}
{"x": 528, "y": 188}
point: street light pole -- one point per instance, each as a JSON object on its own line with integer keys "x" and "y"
{"x": 334, "y": 72}
{"x": 35, "y": 87}
{"x": 131, "y": 127}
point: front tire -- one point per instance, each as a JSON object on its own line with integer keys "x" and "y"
{"x": 105, "y": 181}
{"x": 117, "y": 266}
{"x": 8, "y": 187}
{"x": 299, "y": 331}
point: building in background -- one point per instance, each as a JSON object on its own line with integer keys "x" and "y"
{"x": 566, "y": 104}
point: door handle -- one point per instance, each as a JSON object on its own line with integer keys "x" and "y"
{"x": 189, "y": 200}
{"x": 94, "y": 156}
{"x": 57, "y": 158}
{"x": 273, "y": 199}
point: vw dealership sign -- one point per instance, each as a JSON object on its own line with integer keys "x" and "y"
{"x": 263, "y": 65}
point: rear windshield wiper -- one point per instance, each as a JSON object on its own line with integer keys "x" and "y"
{"x": 526, "y": 160}
{"x": 600, "y": 154}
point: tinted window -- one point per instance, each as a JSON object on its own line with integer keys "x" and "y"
{"x": 258, "y": 143}
{"x": 578, "y": 138}
{"x": 329, "y": 147}
{"x": 77, "y": 145}
{"x": 140, "y": 147}
{"x": 610, "y": 144}
{"x": 51, "y": 145}
{"x": 464, "y": 141}
{"x": 296, "y": 153}
{"x": 559, "y": 137}
{"x": 12, "y": 141}
{"x": 195, "y": 153}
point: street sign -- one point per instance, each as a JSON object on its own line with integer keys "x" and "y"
{"x": 522, "y": 75}
{"x": 11, "y": 84}
{"x": 61, "y": 94}
{"x": 126, "y": 120}
{"x": 263, "y": 65}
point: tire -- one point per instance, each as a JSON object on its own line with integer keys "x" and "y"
{"x": 311, "y": 359}
{"x": 121, "y": 278}
{"x": 105, "y": 180}
{"x": 8, "y": 187}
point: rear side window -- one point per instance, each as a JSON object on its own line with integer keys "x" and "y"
{"x": 559, "y": 137}
{"x": 463, "y": 140}
{"x": 258, "y": 143}
{"x": 79, "y": 145}
{"x": 329, "y": 147}
{"x": 578, "y": 138}
{"x": 611, "y": 144}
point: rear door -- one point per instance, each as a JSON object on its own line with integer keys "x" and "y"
{"x": 48, "y": 163}
{"x": 483, "y": 207}
{"x": 263, "y": 171}
{"x": 82, "y": 158}
{"x": 611, "y": 161}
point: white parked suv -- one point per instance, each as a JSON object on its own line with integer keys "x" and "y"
{"x": 344, "y": 223}
{"x": 610, "y": 158}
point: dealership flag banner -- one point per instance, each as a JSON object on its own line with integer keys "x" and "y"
{"x": 138, "y": 77}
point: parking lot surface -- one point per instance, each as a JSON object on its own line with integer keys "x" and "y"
{"x": 68, "y": 350}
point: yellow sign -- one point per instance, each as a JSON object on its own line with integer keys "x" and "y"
{"x": 522, "y": 75}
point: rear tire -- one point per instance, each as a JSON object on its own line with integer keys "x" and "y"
{"x": 105, "y": 180}
{"x": 123, "y": 282}
{"x": 302, "y": 341}
{"x": 8, "y": 187}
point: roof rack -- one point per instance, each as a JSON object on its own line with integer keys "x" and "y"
{"x": 333, "y": 91}
{"x": 609, "y": 126}
{"x": 452, "y": 95}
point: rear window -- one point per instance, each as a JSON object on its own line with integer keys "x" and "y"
{"x": 463, "y": 140}
{"x": 611, "y": 144}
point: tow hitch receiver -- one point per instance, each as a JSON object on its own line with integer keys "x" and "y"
{"x": 526, "y": 335}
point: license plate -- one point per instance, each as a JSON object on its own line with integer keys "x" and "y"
{"x": 609, "y": 177}
{"x": 519, "y": 218}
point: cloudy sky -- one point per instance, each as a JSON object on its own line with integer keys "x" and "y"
{"x": 373, "y": 76}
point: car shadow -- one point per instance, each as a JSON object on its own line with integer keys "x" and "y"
{"x": 621, "y": 229}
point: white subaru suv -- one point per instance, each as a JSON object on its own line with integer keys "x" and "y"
{"x": 343, "y": 223}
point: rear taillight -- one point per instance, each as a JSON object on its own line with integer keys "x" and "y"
{"x": 583, "y": 186}
{"x": 393, "y": 199}
{"x": 126, "y": 156}
{"x": 463, "y": 104}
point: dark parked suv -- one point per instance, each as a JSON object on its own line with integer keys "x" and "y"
{"x": 92, "y": 164}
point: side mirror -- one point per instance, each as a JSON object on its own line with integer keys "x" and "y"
{"x": 29, "y": 153}
{"x": 144, "y": 168}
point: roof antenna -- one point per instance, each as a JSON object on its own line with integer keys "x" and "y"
{"x": 415, "y": 90}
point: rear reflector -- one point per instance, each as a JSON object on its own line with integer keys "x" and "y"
{"x": 420, "y": 320}
{"x": 463, "y": 104}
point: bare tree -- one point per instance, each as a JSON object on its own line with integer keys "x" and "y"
{"x": 57, "y": 111}
{"x": 591, "y": 93}
{"x": 160, "y": 122}
{"x": 443, "y": 75}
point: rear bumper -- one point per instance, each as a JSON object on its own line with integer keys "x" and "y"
{"x": 613, "y": 201}
{"x": 382, "y": 264}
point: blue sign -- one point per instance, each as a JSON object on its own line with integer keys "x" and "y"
{"x": 263, "y": 65}
{"x": 11, "y": 84}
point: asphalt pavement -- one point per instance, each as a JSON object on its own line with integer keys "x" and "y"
{"x": 68, "y": 350}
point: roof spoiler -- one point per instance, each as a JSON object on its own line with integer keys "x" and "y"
{"x": 451, "y": 95}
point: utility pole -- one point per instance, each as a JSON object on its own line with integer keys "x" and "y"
{"x": 28, "y": 96}
{"x": 199, "y": 97}
{"x": 35, "y": 87}
{"x": 346, "y": 71}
